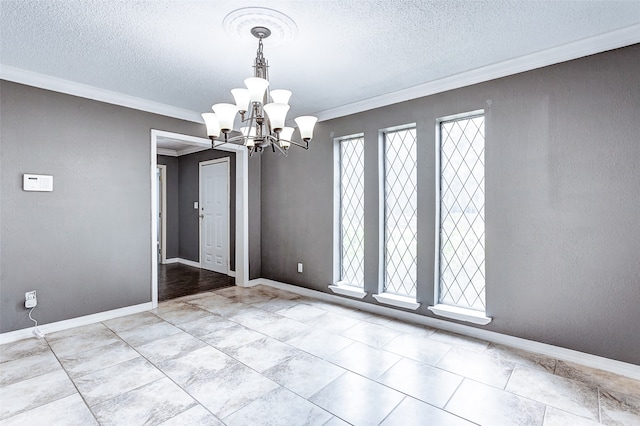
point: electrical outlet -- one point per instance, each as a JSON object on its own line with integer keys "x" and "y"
{"x": 299, "y": 268}
{"x": 30, "y": 300}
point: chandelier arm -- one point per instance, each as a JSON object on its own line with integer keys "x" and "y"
{"x": 282, "y": 151}
{"x": 236, "y": 138}
{"x": 302, "y": 144}
{"x": 271, "y": 138}
{"x": 217, "y": 142}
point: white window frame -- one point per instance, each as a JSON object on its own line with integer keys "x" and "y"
{"x": 392, "y": 299}
{"x": 450, "y": 311}
{"x": 339, "y": 286}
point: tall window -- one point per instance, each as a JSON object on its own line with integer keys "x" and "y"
{"x": 400, "y": 207}
{"x": 462, "y": 255}
{"x": 352, "y": 211}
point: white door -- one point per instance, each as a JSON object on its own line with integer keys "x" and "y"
{"x": 214, "y": 215}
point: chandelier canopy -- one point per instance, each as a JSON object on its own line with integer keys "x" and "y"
{"x": 262, "y": 111}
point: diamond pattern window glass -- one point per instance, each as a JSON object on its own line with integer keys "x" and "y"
{"x": 461, "y": 263}
{"x": 352, "y": 211}
{"x": 400, "y": 208}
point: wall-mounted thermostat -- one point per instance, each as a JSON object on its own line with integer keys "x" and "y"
{"x": 37, "y": 182}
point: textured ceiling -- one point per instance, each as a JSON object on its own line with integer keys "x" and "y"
{"x": 177, "y": 52}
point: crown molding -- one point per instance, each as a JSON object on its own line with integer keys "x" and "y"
{"x": 191, "y": 150}
{"x": 179, "y": 153}
{"x": 42, "y": 81}
{"x": 167, "y": 152}
{"x": 566, "y": 52}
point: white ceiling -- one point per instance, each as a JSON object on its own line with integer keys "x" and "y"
{"x": 176, "y": 53}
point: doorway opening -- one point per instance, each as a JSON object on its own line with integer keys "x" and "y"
{"x": 240, "y": 216}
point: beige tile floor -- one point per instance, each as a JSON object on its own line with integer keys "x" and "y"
{"x": 262, "y": 356}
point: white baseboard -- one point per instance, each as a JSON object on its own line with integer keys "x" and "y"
{"x": 25, "y": 333}
{"x": 182, "y": 262}
{"x": 192, "y": 263}
{"x": 254, "y": 282}
{"x": 557, "y": 352}
{"x": 188, "y": 262}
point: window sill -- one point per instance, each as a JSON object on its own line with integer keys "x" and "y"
{"x": 398, "y": 301}
{"x": 348, "y": 290}
{"x": 462, "y": 314}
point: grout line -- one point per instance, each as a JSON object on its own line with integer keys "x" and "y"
{"x": 453, "y": 393}
{"x": 259, "y": 372}
{"x": 515, "y": 365}
{"x": 394, "y": 408}
{"x": 544, "y": 415}
{"x": 252, "y": 368}
{"x": 347, "y": 370}
{"x": 141, "y": 356}
{"x": 171, "y": 379}
{"x": 599, "y": 405}
{"x": 72, "y": 382}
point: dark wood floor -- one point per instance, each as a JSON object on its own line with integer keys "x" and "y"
{"x": 177, "y": 280}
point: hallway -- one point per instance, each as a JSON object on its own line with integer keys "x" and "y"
{"x": 178, "y": 280}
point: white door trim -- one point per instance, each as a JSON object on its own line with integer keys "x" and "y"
{"x": 200, "y": 165}
{"x": 242, "y": 202}
{"x": 163, "y": 195}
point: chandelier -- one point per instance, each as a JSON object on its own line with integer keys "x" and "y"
{"x": 263, "y": 122}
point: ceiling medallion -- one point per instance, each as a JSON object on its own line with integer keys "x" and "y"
{"x": 238, "y": 24}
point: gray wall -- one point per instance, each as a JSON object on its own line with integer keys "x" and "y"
{"x": 189, "y": 221}
{"x": 173, "y": 227}
{"x": 562, "y": 201}
{"x": 86, "y": 246}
